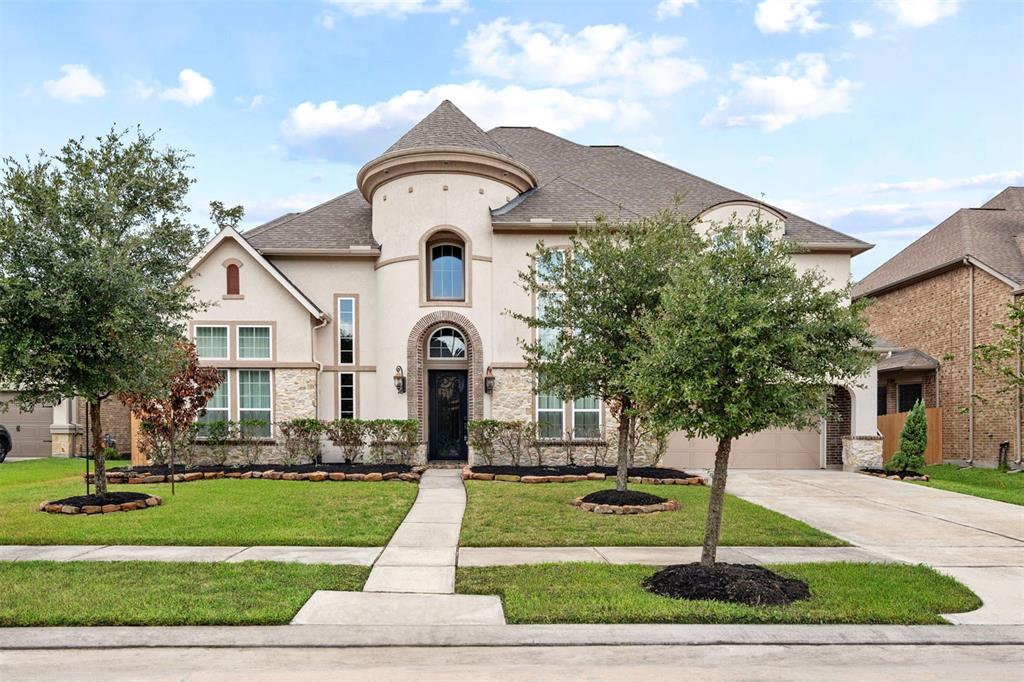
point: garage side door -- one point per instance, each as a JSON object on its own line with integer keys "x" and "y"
{"x": 773, "y": 449}
{"x": 30, "y": 430}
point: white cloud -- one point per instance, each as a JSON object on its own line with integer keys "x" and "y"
{"x": 76, "y": 83}
{"x": 861, "y": 29}
{"x": 396, "y": 9}
{"x": 766, "y": 159}
{"x": 918, "y": 13}
{"x": 798, "y": 89}
{"x": 782, "y": 16}
{"x": 328, "y": 129}
{"x": 982, "y": 180}
{"x": 673, "y": 8}
{"x": 326, "y": 20}
{"x": 192, "y": 89}
{"x": 603, "y": 59}
{"x": 257, "y": 101}
{"x": 267, "y": 208}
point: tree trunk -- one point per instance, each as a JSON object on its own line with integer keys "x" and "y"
{"x": 96, "y": 436}
{"x": 713, "y": 527}
{"x": 622, "y": 471}
{"x": 173, "y": 441}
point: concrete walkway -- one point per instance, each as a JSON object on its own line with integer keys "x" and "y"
{"x": 412, "y": 583}
{"x": 977, "y": 541}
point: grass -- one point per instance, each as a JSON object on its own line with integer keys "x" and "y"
{"x": 214, "y": 512}
{"x": 47, "y": 593}
{"x": 513, "y": 514}
{"x": 988, "y": 483}
{"x": 602, "y": 593}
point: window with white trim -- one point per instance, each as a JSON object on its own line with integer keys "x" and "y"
{"x": 346, "y": 331}
{"x": 218, "y": 408}
{"x": 586, "y": 418}
{"x": 254, "y": 400}
{"x": 446, "y": 344}
{"x": 447, "y": 272}
{"x": 211, "y": 342}
{"x": 254, "y": 343}
{"x": 346, "y": 395}
{"x": 550, "y": 414}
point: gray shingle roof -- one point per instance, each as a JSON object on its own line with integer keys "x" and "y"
{"x": 574, "y": 183}
{"x": 447, "y": 126}
{"x": 907, "y": 360}
{"x": 990, "y": 235}
{"x": 1011, "y": 198}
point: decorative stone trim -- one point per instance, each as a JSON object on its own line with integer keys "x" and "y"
{"x": 469, "y": 474}
{"x": 667, "y": 505}
{"x": 117, "y": 477}
{"x": 896, "y": 477}
{"x": 54, "y": 508}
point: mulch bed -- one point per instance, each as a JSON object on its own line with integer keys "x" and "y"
{"x": 624, "y": 497}
{"x": 896, "y": 475}
{"x": 736, "y": 583}
{"x": 101, "y": 504}
{"x": 572, "y": 474}
{"x": 297, "y": 472}
{"x": 628, "y": 502}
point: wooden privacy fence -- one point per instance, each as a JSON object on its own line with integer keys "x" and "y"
{"x": 891, "y": 424}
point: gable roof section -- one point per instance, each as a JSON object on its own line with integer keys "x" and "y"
{"x": 639, "y": 184}
{"x": 1011, "y": 198}
{"x": 989, "y": 237}
{"x": 910, "y": 360}
{"x": 343, "y": 222}
{"x": 229, "y": 233}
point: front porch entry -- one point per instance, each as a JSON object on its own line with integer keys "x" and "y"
{"x": 447, "y": 414}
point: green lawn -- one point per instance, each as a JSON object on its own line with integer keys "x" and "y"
{"x": 48, "y": 593}
{"x": 989, "y": 483}
{"x": 602, "y": 593}
{"x": 214, "y": 512}
{"x": 529, "y": 515}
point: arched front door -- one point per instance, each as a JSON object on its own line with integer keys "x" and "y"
{"x": 446, "y": 362}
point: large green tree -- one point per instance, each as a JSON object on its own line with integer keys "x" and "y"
{"x": 93, "y": 242}
{"x": 742, "y": 343}
{"x": 588, "y": 298}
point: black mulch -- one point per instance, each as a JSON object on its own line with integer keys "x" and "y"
{"x": 632, "y": 497}
{"x": 646, "y": 472}
{"x": 901, "y": 474}
{"x": 737, "y": 583}
{"x": 100, "y": 500}
{"x": 296, "y": 468}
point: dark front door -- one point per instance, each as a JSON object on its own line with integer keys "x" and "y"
{"x": 447, "y": 414}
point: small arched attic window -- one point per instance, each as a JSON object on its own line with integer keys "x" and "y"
{"x": 232, "y": 283}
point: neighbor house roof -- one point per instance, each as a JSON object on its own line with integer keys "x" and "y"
{"x": 991, "y": 237}
{"x": 574, "y": 182}
{"x": 907, "y": 360}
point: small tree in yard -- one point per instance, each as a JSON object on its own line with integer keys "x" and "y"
{"x": 93, "y": 242}
{"x": 589, "y": 300}
{"x": 174, "y": 410}
{"x": 913, "y": 442}
{"x": 742, "y": 343}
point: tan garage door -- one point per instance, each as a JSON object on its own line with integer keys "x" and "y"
{"x": 30, "y": 430}
{"x": 775, "y": 449}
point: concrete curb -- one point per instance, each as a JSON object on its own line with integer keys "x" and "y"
{"x": 329, "y": 636}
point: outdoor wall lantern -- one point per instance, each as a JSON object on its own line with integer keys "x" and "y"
{"x": 489, "y": 381}
{"x": 399, "y": 379}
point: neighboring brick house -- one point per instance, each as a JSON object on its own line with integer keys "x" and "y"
{"x": 938, "y": 299}
{"x": 391, "y": 300}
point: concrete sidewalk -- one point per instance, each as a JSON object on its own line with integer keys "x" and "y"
{"x": 979, "y": 542}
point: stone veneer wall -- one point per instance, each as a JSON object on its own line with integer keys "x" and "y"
{"x": 932, "y": 315}
{"x": 513, "y": 399}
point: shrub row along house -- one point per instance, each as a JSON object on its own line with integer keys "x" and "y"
{"x": 391, "y": 301}
{"x": 937, "y": 300}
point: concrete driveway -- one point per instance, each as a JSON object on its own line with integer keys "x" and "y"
{"x": 979, "y": 542}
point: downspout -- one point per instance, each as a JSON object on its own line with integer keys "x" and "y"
{"x": 970, "y": 363}
{"x": 319, "y": 366}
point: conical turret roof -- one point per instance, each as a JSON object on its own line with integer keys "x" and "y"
{"x": 447, "y": 127}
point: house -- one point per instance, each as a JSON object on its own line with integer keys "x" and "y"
{"x": 937, "y": 299}
{"x": 389, "y": 301}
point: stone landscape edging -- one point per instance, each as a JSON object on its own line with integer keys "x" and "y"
{"x": 117, "y": 478}
{"x": 896, "y": 477}
{"x": 667, "y": 505}
{"x": 54, "y": 508}
{"x": 468, "y": 474}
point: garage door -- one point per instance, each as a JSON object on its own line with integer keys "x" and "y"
{"x": 775, "y": 449}
{"x": 30, "y": 430}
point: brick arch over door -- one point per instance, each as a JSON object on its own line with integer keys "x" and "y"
{"x": 417, "y": 375}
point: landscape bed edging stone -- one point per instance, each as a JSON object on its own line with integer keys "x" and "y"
{"x": 667, "y": 505}
{"x": 469, "y": 474}
{"x": 54, "y": 508}
{"x": 895, "y": 477}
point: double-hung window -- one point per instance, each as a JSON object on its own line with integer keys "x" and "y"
{"x": 218, "y": 408}
{"x": 586, "y": 418}
{"x": 346, "y": 395}
{"x": 254, "y": 401}
{"x": 212, "y": 342}
{"x": 346, "y": 331}
{"x": 254, "y": 343}
{"x": 550, "y": 414}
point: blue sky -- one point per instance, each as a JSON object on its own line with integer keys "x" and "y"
{"x": 876, "y": 118}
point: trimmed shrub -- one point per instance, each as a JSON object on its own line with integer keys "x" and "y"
{"x": 301, "y": 440}
{"x": 347, "y": 434}
{"x": 218, "y": 437}
{"x": 483, "y": 436}
{"x": 913, "y": 442}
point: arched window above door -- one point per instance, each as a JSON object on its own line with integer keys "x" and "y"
{"x": 446, "y": 343}
{"x": 446, "y": 273}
